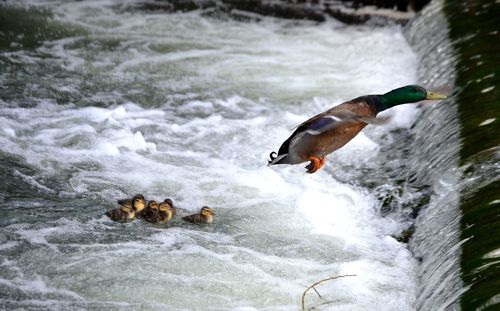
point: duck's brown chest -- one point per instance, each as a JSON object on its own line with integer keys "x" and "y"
{"x": 335, "y": 139}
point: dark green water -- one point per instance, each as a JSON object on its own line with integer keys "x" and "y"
{"x": 458, "y": 235}
{"x": 475, "y": 33}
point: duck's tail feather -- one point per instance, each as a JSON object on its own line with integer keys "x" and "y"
{"x": 275, "y": 158}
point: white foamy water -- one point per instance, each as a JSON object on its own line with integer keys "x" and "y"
{"x": 189, "y": 107}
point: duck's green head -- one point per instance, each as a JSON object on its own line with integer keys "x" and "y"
{"x": 407, "y": 94}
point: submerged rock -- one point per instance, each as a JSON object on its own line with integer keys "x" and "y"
{"x": 405, "y": 235}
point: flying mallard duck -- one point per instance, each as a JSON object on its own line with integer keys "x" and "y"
{"x": 137, "y": 203}
{"x": 204, "y": 217}
{"x": 332, "y": 129}
{"x": 123, "y": 213}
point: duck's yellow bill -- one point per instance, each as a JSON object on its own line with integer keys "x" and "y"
{"x": 432, "y": 95}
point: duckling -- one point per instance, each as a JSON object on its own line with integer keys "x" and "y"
{"x": 138, "y": 205}
{"x": 151, "y": 213}
{"x": 129, "y": 201}
{"x": 152, "y": 205}
{"x": 123, "y": 213}
{"x": 165, "y": 212}
{"x": 204, "y": 217}
{"x": 169, "y": 203}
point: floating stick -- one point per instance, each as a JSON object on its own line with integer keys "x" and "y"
{"x": 317, "y": 283}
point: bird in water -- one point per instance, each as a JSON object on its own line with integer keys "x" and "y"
{"x": 166, "y": 211}
{"x": 330, "y": 130}
{"x": 168, "y": 204}
{"x": 204, "y": 217}
{"x": 123, "y": 213}
{"x": 137, "y": 203}
{"x": 151, "y": 213}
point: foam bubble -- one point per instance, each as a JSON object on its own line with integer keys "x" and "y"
{"x": 108, "y": 149}
{"x": 9, "y": 131}
{"x": 488, "y": 89}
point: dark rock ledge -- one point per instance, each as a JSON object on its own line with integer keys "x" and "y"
{"x": 376, "y": 12}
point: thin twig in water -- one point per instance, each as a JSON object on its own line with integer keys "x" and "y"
{"x": 316, "y": 292}
{"x": 317, "y": 283}
{"x": 324, "y": 303}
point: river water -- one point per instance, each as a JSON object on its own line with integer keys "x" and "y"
{"x": 99, "y": 101}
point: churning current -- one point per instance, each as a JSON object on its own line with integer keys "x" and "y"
{"x": 109, "y": 101}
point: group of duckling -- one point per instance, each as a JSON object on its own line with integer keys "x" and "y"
{"x": 154, "y": 212}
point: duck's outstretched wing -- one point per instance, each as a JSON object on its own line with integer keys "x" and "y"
{"x": 326, "y": 122}
{"x": 314, "y": 126}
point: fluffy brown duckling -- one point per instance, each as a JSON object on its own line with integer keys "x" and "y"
{"x": 152, "y": 213}
{"x": 129, "y": 200}
{"x": 166, "y": 211}
{"x": 137, "y": 203}
{"x": 123, "y": 213}
{"x": 204, "y": 217}
{"x": 168, "y": 202}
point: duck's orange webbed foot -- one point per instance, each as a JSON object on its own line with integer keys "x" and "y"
{"x": 316, "y": 164}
